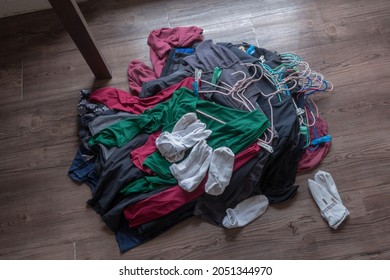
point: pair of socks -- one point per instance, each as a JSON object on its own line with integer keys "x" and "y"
{"x": 245, "y": 212}
{"x": 191, "y": 171}
{"x": 188, "y": 131}
{"x": 325, "y": 194}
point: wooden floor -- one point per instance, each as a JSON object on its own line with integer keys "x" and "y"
{"x": 43, "y": 214}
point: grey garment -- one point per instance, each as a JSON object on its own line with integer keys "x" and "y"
{"x": 103, "y": 121}
{"x": 117, "y": 171}
{"x": 153, "y": 87}
{"x": 106, "y": 152}
{"x": 108, "y": 118}
{"x": 269, "y": 57}
{"x": 243, "y": 184}
{"x": 209, "y": 55}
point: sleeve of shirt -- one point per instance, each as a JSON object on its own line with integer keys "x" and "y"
{"x": 119, "y": 133}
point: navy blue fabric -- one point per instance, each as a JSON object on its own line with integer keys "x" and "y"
{"x": 82, "y": 168}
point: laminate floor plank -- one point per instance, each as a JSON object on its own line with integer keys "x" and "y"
{"x": 60, "y": 251}
{"x": 11, "y": 80}
{"x": 313, "y": 26}
{"x": 235, "y": 32}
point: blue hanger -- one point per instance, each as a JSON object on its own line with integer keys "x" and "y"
{"x": 321, "y": 140}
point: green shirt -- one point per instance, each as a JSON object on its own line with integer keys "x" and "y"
{"x": 235, "y": 129}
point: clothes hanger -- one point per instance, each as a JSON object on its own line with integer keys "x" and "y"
{"x": 237, "y": 93}
{"x": 232, "y": 91}
{"x": 310, "y": 82}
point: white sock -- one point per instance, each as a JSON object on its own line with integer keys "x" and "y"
{"x": 325, "y": 179}
{"x": 245, "y": 212}
{"x": 186, "y": 133}
{"x": 191, "y": 171}
{"x": 185, "y": 121}
{"x": 331, "y": 209}
{"x": 220, "y": 171}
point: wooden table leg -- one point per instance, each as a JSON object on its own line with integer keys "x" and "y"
{"x": 74, "y": 22}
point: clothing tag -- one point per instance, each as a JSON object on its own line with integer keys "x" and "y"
{"x": 300, "y": 111}
{"x": 266, "y": 147}
{"x": 262, "y": 59}
{"x": 198, "y": 74}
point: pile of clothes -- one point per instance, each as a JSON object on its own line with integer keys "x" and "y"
{"x": 217, "y": 130}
